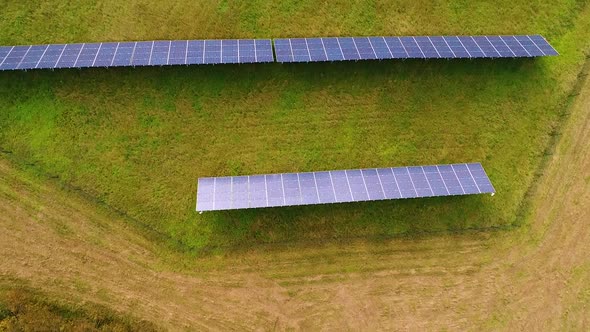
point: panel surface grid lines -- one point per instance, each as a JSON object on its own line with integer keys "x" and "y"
{"x": 142, "y": 53}
{"x": 323, "y": 187}
{"x": 189, "y": 52}
{"x": 418, "y": 47}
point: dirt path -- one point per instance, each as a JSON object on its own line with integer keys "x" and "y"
{"x": 535, "y": 278}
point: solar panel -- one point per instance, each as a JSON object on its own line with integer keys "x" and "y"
{"x": 287, "y": 189}
{"x": 143, "y": 53}
{"x": 421, "y": 47}
{"x": 189, "y": 52}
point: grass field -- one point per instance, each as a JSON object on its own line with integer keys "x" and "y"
{"x": 84, "y": 258}
{"x": 21, "y": 309}
{"x": 98, "y": 173}
{"x": 137, "y": 139}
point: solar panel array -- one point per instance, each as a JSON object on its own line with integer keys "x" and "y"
{"x": 272, "y": 190}
{"x": 144, "y": 53}
{"x": 189, "y": 52}
{"x": 424, "y": 47}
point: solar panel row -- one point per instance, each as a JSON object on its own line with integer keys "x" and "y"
{"x": 242, "y": 192}
{"x": 424, "y": 47}
{"x": 148, "y": 53}
{"x": 187, "y": 52}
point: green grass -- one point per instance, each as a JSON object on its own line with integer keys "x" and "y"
{"x": 137, "y": 139}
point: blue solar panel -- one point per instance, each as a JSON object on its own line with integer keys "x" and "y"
{"x": 14, "y": 57}
{"x": 4, "y": 50}
{"x": 68, "y": 56}
{"x": 87, "y": 55}
{"x": 287, "y": 189}
{"x": 188, "y": 52}
{"x": 420, "y": 47}
{"x": 148, "y": 53}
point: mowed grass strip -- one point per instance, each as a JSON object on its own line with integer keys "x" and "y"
{"x": 137, "y": 139}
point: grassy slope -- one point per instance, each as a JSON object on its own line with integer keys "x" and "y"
{"x": 137, "y": 139}
{"x": 22, "y": 309}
